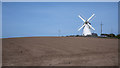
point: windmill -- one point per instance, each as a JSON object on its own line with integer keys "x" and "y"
{"x": 86, "y": 26}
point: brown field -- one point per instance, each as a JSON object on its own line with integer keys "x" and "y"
{"x": 60, "y": 51}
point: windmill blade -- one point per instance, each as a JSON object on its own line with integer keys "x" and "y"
{"x": 91, "y": 17}
{"x": 91, "y": 26}
{"x": 81, "y": 18}
{"x": 81, "y": 27}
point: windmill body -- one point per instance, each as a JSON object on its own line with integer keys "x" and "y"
{"x": 86, "y": 30}
{"x": 86, "y": 26}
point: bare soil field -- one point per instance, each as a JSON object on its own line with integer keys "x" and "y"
{"x": 59, "y": 51}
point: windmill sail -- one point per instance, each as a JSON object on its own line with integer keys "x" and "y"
{"x": 81, "y": 18}
{"x": 81, "y": 27}
{"x": 91, "y": 26}
{"x": 91, "y": 17}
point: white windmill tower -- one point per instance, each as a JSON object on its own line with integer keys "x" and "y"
{"x": 86, "y": 26}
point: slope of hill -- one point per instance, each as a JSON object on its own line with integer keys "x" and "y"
{"x": 60, "y": 51}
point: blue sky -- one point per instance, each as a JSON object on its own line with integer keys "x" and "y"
{"x": 60, "y": 0}
{"x": 23, "y": 19}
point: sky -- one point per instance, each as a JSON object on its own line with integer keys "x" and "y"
{"x": 60, "y": 0}
{"x": 26, "y": 19}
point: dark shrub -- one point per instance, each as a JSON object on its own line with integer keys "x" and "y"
{"x": 111, "y": 35}
{"x": 118, "y": 36}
